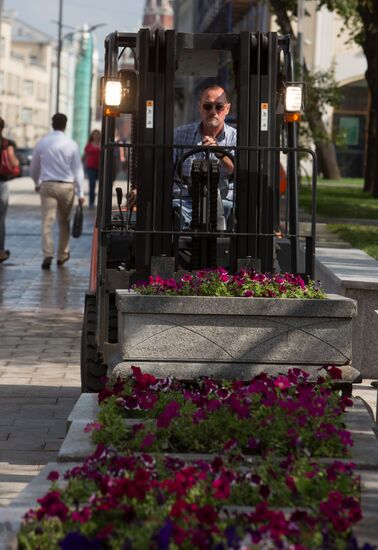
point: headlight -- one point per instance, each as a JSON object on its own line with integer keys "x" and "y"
{"x": 113, "y": 93}
{"x": 293, "y": 99}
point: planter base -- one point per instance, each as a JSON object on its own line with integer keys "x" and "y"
{"x": 191, "y": 336}
{"x": 242, "y": 371}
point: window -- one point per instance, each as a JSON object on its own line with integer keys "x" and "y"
{"x": 26, "y": 116}
{"x": 41, "y": 91}
{"x": 350, "y": 126}
{"x": 28, "y": 87}
{"x": 2, "y": 46}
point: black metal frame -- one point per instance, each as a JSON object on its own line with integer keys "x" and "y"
{"x": 257, "y": 63}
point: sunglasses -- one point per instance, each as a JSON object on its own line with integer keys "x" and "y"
{"x": 209, "y": 106}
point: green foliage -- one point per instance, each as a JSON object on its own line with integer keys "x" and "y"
{"x": 321, "y": 87}
{"x": 348, "y": 10}
{"x": 321, "y": 91}
{"x": 114, "y": 428}
{"x": 364, "y": 237}
{"x": 341, "y": 201}
{"x": 43, "y": 539}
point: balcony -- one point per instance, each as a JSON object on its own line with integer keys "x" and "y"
{"x": 17, "y": 56}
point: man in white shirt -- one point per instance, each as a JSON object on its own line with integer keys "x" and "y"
{"x": 57, "y": 172}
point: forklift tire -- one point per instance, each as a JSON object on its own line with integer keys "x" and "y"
{"x": 93, "y": 371}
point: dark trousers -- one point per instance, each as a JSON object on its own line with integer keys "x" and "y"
{"x": 4, "y": 199}
{"x": 92, "y": 174}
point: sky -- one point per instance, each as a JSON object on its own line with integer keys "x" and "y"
{"x": 119, "y": 15}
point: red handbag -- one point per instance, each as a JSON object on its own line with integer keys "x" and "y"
{"x": 6, "y": 168}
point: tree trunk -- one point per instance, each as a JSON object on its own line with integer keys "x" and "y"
{"x": 370, "y": 148}
{"x": 327, "y": 161}
{"x": 326, "y": 151}
{"x": 371, "y": 166}
{"x": 368, "y": 12}
{"x": 371, "y": 173}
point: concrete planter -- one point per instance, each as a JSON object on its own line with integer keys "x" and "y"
{"x": 190, "y": 336}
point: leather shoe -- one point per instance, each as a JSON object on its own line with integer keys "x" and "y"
{"x": 46, "y": 264}
{"x": 61, "y": 262}
{"x": 5, "y": 257}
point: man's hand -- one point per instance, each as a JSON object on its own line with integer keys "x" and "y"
{"x": 209, "y": 141}
{"x": 132, "y": 199}
{"x": 82, "y": 200}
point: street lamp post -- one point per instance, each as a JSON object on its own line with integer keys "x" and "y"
{"x": 60, "y": 47}
{"x": 59, "y": 54}
{"x": 83, "y": 86}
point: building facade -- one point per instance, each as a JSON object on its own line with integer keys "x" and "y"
{"x": 28, "y": 82}
{"x": 25, "y": 81}
{"x": 348, "y": 121}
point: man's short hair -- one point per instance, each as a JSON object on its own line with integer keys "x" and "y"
{"x": 59, "y": 121}
{"x": 215, "y": 87}
{"x": 2, "y": 124}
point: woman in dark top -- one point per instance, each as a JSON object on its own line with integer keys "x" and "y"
{"x": 4, "y": 189}
{"x": 91, "y": 162}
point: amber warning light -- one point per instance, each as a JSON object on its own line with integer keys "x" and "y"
{"x": 293, "y": 102}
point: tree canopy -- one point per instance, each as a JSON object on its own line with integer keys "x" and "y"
{"x": 360, "y": 18}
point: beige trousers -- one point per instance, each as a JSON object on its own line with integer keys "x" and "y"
{"x": 56, "y": 197}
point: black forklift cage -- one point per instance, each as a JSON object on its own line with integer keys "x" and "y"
{"x": 157, "y": 58}
{"x": 109, "y": 227}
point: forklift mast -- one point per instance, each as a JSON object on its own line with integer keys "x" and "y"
{"x": 262, "y": 66}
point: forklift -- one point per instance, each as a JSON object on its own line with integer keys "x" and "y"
{"x": 129, "y": 244}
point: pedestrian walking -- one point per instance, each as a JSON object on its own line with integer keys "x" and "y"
{"x": 57, "y": 172}
{"x": 91, "y": 159}
{"x": 9, "y": 168}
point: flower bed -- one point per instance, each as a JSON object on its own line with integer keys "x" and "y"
{"x": 116, "y": 501}
{"x": 218, "y": 282}
{"x": 279, "y": 498}
{"x": 281, "y": 415}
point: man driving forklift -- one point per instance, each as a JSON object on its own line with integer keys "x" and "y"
{"x": 212, "y": 130}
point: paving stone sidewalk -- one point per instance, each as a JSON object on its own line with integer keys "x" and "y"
{"x": 40, "y": 330}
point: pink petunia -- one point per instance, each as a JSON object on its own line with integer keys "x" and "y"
{"x": 93, "y": 427}
{"x": 82, "y": 516}
{"x": 282, "y": 382}
{"x": 148, "y": 441}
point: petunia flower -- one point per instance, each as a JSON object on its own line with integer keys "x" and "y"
{"x": 78, "y": 541}
{"x": 82, "y": 516}
{"x": 171, "y": 411}
{"x": 207, "y": 514}
{"x": 93, "y": 427}
{"x": 53, "y": 475}
{"x": 148, "y": 441}
{"x": 282, "y": 382}
{"x": 164, "y": 535}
